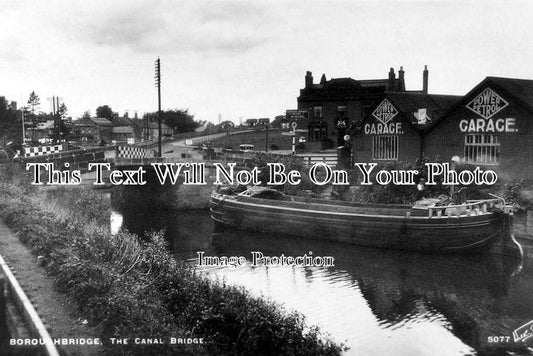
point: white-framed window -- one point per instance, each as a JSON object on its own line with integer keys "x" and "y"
{"x": 482, "y": 149}
{"x": 317, "y": 112}
{"x": 385, "y": 147}
{"x": 318, "y": 132}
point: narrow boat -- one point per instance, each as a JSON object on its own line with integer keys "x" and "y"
{"x": 425, "y": 226}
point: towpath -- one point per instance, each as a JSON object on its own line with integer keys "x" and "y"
{"x": 57, "y": 312}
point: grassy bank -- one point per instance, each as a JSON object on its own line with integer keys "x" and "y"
{"x": 129, "y": 288}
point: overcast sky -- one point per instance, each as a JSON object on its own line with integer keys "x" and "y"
{"x": 248, "y": 59}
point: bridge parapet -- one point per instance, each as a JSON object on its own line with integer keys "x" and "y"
{"x": 76, "y": 159}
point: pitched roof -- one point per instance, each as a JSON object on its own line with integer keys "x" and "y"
{"x": 84, "y": 121}
{"x": 412, "y": 101}
{"x": 139, "y": 123}
{"x": 374, "y": 83}
{"x": 341, "y": 82}
{"x": 436, "y": 106}
{"x": 101, "y": 121}
{"x": 409, "y": 104}
{"x": 122, "y": 121}
{"x": 122, "y": 129}
{"x": 349, "y": 88}
{"x": 522, "y": 89}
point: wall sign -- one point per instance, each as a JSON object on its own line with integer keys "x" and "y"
{"x": 421, "y": 116}
{"x": 490, "y": 125}
{"x": 384, "y": 113}
{"x": 487, "y": 104}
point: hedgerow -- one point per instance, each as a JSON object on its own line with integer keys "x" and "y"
{"x": 131, "y": 288}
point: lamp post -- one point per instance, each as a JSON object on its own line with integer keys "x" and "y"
{"x": 346, "y": 152}
{"x": 266, "y": 138}
{"x": 454, "y": 161}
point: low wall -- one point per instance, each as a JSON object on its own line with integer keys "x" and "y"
{"x": 196, "y": 196}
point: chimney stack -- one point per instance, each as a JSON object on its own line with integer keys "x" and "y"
{"x": 308, "y": 79}
{"x": 392, "y": 77}
{"x": 401, "y": 75}
{"x": 425, "y": 80}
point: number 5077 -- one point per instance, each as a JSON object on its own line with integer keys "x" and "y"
{"x": 499, "y": 339}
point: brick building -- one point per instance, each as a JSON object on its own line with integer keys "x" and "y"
{"x": 491, "y": 127}
{"x": 94, "y": 130}
{"x": 334, "y": 105}
{"x": 394, "y": 128}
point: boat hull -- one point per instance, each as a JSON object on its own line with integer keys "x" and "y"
{"x": 385, "y": 228}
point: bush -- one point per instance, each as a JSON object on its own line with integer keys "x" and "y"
{"x": 408, "y": 194}
{"x": 519, "y": 193}
{"x": 131, "y": 288}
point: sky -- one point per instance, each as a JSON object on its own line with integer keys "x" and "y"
{"x": 248, "y": 59}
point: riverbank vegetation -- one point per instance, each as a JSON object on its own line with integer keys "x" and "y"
{"x": 130, "y": 288}
{"x": 518, "y": 192}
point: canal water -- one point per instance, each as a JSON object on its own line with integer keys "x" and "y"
{"x": 376, "y": 302}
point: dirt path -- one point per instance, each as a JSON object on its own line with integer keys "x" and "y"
{"x": 57, "y": 313}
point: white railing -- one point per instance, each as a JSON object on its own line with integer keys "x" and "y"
{"x": 312, "y": 158}
{"x": 470, "y": 208}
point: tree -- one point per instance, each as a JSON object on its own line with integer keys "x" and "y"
{"x": 227, "y": 126}
{"x": 178, "y": 120}
{"x": 61, "y": 126}
{"x": 10, "y": 125}
{"x": 86, "y": 115}
{"x": 62, "y": 111}
{"x": 278, "y": 120}
{"x": 33, "y": 101}
{"x": 105, "y": 111}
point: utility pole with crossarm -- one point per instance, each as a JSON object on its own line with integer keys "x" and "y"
{"x": 158, "y": 85}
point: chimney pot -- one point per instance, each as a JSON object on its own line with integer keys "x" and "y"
{"x": 392, "y": 77}
{"x": 308, "y": 79}
{"x": 425, "y": 80}
{"x": 401, "y": 79}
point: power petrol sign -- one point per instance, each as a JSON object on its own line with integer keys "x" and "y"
{"x": 384, "y": 114}
{"x": 487, "y": 104}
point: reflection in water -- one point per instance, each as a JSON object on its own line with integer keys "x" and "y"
{"x": 377, "y": 302}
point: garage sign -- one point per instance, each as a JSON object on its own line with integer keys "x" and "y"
{"x": 384, "y": 114}
{"x": 487, "y": 104}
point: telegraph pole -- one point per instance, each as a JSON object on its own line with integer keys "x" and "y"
{"x": 266, "y": 138}
{"x": 158, "y": 85}
{"x": 23, "y": 129}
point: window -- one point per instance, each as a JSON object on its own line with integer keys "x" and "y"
{"x": 341, "y": 121}
{"x": 482, "y": 148}
{"x": 317, "y": 112}
{"x": 318, "y": 132}
{"x": 385, "y": 147}
{"x": 341, "y": 111}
